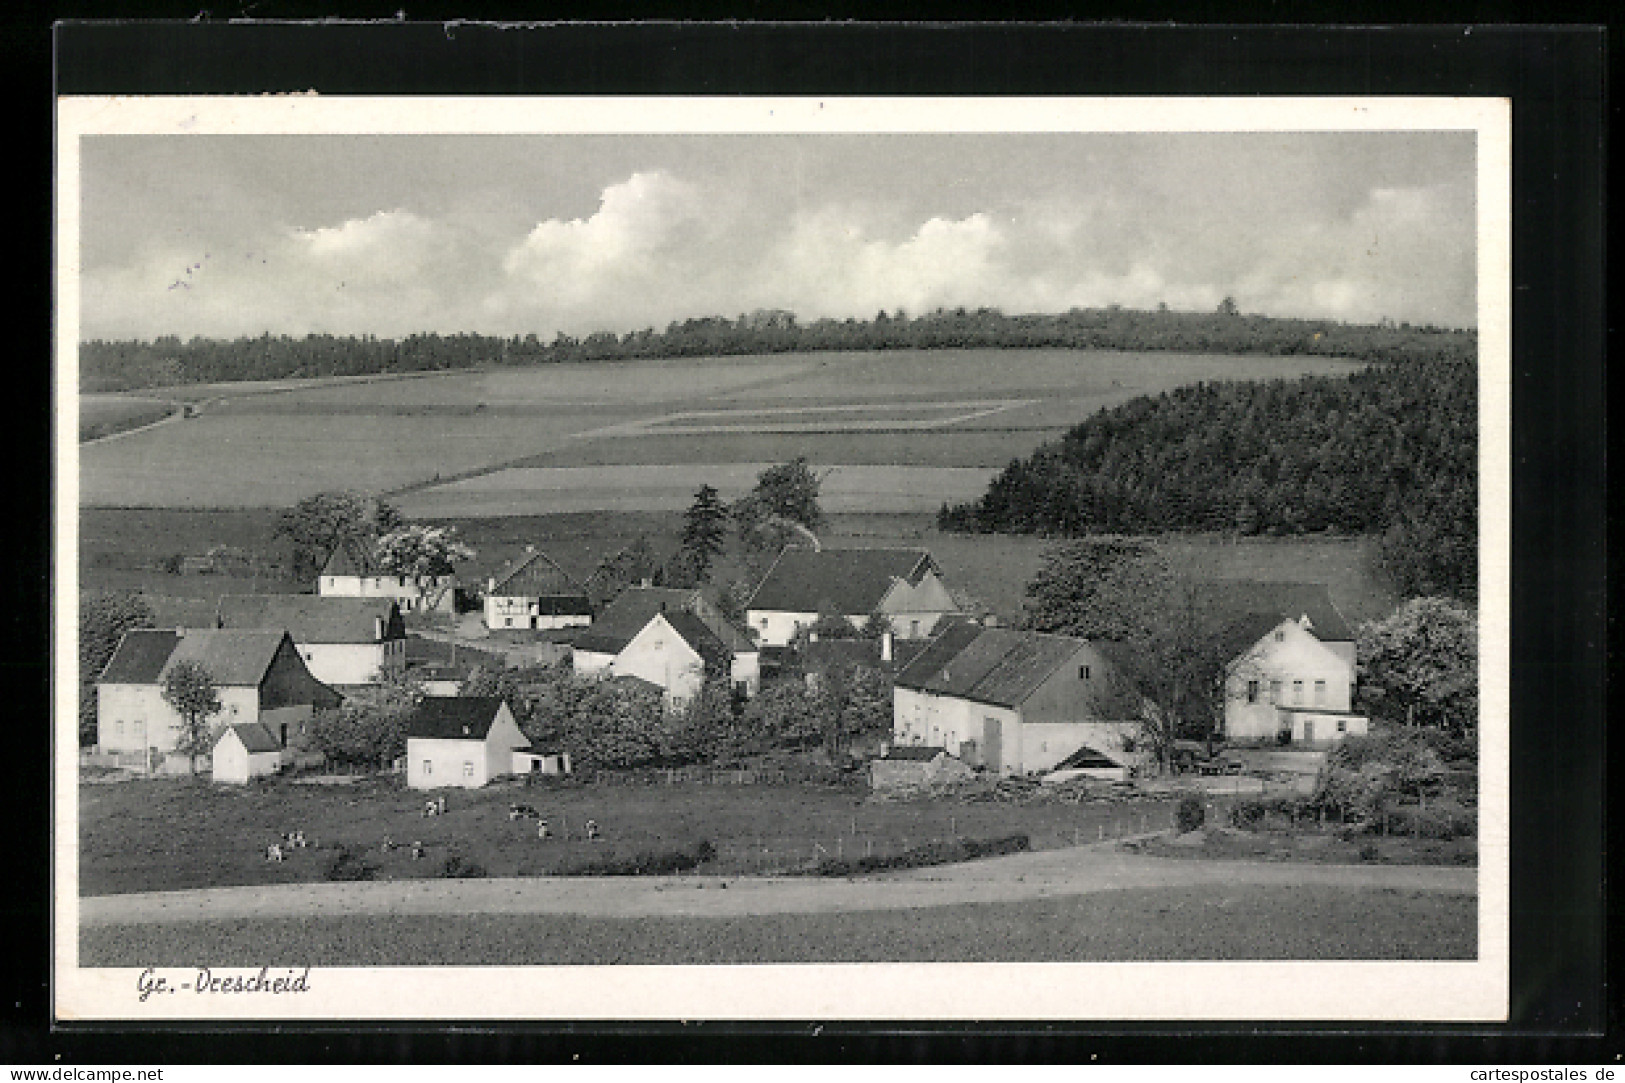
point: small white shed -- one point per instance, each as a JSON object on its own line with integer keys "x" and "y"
{"x": 245, "y": 751}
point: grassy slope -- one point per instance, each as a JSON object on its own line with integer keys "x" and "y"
{"x": 1245, "y": 922}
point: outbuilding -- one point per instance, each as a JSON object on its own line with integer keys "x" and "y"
{"x": 244, "y": 751}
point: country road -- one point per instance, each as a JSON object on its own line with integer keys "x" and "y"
{"x": 1046, "y": 874}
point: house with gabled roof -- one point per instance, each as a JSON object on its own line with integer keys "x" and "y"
{"x": 463, "y": 741}
{"x": 671, "y": 638}
{"x": 1291, "y": 669}
{"x": 245, "y": 751}
{"x": 1014, "y": 702}
{"x": 347, "y": 642}
{"x": 534, "y": 592}
{"x": 352, "y": 571}
{"x": 904, "y": 585}
{"x": 260, "y": 677}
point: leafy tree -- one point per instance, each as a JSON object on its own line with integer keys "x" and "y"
{"x": 627, "y": 567}
{"x": 189, "y": 688}
{"x": 1227, "y": 307}
{"x": 421, "y": 552}
{"x": 318, "y": 524}
{"x": 851, "y": 701}
{"x": 1419, "y": 665}
{"x": 1163, "y": 639}
{"x": 782, "y": 506}
{"x": 369, "y": 729}
{"x": 103, "y": 620}
{"x": 705, "y": 533}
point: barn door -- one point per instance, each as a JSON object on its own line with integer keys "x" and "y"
{"x": 992, "y": 744}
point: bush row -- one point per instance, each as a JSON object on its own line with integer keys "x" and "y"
{"x": 648, "y": 863}
{"x": 932, "y": 853}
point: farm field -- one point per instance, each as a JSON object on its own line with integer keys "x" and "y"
{"x": 103, "y": 415}
{"x": 266, "y": 446}
{"x": 174, "y": 834}
{"x": 1162, "y": 924}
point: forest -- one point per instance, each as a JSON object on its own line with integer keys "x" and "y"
{"x": 1390, "y": 450}
{"x": 170, "y": 361}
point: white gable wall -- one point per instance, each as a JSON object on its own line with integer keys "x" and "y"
{"x": 132, "y": 718}
{"x": 352, "y": 663}
{"x": 914, "y": 610}
{"x": 1282, "y": 669}
{"x": 659, "y": 655}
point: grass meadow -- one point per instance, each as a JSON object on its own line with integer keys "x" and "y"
{"x": 1166, "y": 924}
{"x": 178, "y": 833}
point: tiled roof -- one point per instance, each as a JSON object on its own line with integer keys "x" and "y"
{"x": 139, "y": 657}
{"x": 851, "y": 581}
{"x": 351, "y": 557}
{"x": 926, "y": 753}
{"x": 1002, "y": 667}
{"x": 826, "y": 653}
{"x": 952, "y": 638}
{"x": 1252, "y": 597}
{"x": 256, "y": 737}
{"x": 629, "y": 613}
{"x": 535, "y": 575}
{"x": 454, "y": 717}
{"x": 311, "y": 618}
{"x": 234, "y": 657}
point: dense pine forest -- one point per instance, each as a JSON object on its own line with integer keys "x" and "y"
{"x": 1392, "y": 449}
{"x": 168, "y": 361}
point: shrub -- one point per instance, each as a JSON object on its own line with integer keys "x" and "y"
{"x": 648, "y": 863}
{"x": 1441, "y": 820}
{"x": 347, "y": 864}
{"x": 457, "y": 867}
{"x": 1190, "y": 814}
{"x": 1370, "y": 852}
{"x": 932, "y": 853}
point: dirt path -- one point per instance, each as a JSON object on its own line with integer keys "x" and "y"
{"x": 1020, "y": 876}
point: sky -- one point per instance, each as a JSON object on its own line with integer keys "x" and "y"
{"x": 220, "y": 235}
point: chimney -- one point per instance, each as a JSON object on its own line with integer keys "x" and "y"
{"x": 885, "y": 646}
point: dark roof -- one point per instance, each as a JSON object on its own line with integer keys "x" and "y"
{"x": 454, "y": 718}
{"x": 351, "y": 557}
{"x": 1281, "y": 601}
{"x": 852, "y": 581}
{"x": 826, "y": 653}
{"x": 139, "y": 656}
{"x": 256, "y": 737}
{"x": 630, "y": 613}
{"x": 1086, "y": 757}
{"x": 421, "y": 649}
{"x": 310, "y": 618}
{"x": 534, "y": 575}
{"x": 913, "y": 752}
{"x": 1002, "y": 667}
{"x": 233, "y": 657}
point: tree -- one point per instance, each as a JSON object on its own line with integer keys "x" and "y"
{"x": 103, "y": 620}
{"x": 630, "y": 565}
{"x": 705, "y": 532}
{"x": 783, "y": 503}
{"x": 851, "y": 701}
{"x": 318, "y": 524}
{"x": 1419, "y": 665}
{"x": 1227, "y": 307}
{"x": 421, "y": 552}
{"x": 189, "y": 688}
{"x": 369, "y": 729}
{"x": 1160, "y": 634}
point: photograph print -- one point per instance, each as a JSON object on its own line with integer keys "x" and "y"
{"x": 776, "y": 559}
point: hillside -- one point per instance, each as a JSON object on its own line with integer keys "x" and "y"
{"x": 1392, "y": 450}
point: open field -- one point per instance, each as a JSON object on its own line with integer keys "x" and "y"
{"x": 269, "y": 446}
{"x": 120, "y": 547}
{"x": 1208, "y": 922}
{"x": 174, "y": 834}
{"x": 104, "y": 415}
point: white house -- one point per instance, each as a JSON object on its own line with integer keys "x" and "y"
{"x": 244, "y": 751}
{"x": 1291, "y": 668}
{"x": 259, "y": 676}
{"x": 344, "y": 641}
{"x": 903, "y": 584}
{"x": 670, "y": 638}
{"x": 352, "y": 572}
{"x": 534, "y": 592}
{"x": 463, "y": 741}
{"x": 1015, "y": 702}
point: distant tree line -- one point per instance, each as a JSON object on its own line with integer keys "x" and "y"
{"x": 1391, "y": 450}
{"x": 168, "y": 360}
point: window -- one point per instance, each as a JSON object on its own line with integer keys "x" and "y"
{"x": 914, "y": 629}
{"x": 1083, "y": 673}
{"x": 140, "y": 728}
{"x": 468, "y": 768}
{"x": 118, "y": 728}
{"x": 1275, "y": 691}
{"x": 507, "y": 622}
{"x": 1320, "y": 693}
{"x": 1252, "y": 691}
{"x": 764, "y": 622}
{"x": 1280, "y": 635}
{"x": 1342, "y": 725}
{"x": 1297, "y": 691}
{"x": 428, "y": 767}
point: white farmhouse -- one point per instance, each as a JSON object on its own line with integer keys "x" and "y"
{"x": 352, "y": 572}
{"x": 463, "y": 741}
{"x": 904, "y": 585}
{"x": 671, "y": 638}
{"x": 534, "y": 592}
{"x": 346, "y": 642}
{"x": 260, "y": 677}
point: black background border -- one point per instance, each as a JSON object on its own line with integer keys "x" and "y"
{"x": 1555, "y": 78}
